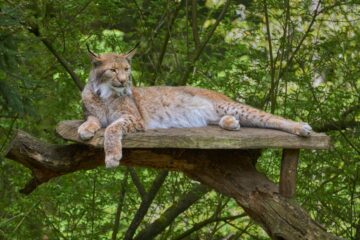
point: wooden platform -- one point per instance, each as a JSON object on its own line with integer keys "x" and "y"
{"x": 211, "y": 137}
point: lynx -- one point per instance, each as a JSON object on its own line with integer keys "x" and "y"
{"x": 112, "y": 102}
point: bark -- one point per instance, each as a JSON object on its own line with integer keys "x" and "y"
{"x": 231, "y": 172}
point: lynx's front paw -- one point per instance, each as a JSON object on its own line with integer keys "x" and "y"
{"x": 87, "y": 130}
{"x": 303, "y": 129}
{"x": 112, "y": 160}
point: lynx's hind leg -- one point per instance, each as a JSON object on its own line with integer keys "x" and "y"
{"x": 229, "y": 122}
{"x": 252, "y": 117}
{"x": 88, "y": 128}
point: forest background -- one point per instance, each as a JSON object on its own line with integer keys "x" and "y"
{"x": 297, "y": 59}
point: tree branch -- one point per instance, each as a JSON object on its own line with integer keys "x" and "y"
{"x": 337, "y": 126}
{"x": 315, "y": 14}
{"x": 202, "y": 224}
{"x": 145, "y": 204}
{"x": 272, "y": 64}
{"x": 167, "y": 38}
{"x": 282, "y": 71}
{"x": 350, "y": 110}
{"x": 198, "y": 51}
{"x": 62, "y": 61}
{"x": 167, "y": 218}
{"x": 137, "y": 182}
{"x": 194, "y": 24}
{"x": 120, "y": 204}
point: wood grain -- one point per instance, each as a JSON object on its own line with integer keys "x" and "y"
{"x": 211, "y": 137}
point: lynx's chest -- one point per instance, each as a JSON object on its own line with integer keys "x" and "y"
{"x": 115, "y": 107}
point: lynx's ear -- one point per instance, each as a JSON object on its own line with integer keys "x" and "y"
{"x": 132, "y": 52}
{"x": 95, "y": 58}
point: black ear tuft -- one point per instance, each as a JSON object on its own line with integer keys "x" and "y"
{"x": 129, "y": 55}
{"x": 95, "y": 58}
{"x": 91, "y": 52}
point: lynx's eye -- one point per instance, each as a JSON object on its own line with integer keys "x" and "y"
{"x": 113, "y": 69}
{"x": 126, "y": 69}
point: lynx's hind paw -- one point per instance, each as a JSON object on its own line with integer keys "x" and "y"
{"x": 87, "y": 130}
{"x": 229, "y": 122}
{"x": 85, "y": 134}
{"x": 304, "y": 130}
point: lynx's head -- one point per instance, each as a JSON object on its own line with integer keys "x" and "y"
{"x": 111, "y": 73}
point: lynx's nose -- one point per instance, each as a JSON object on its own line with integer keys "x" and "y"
{"x": 121, "y": 78}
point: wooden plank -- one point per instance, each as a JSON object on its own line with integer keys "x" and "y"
{"x": 288, "y": 172}
{"x": 203, "y": 138}
{"x": 212, "y": 137}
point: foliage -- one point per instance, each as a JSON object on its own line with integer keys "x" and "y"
{"x": 298, "y": 59}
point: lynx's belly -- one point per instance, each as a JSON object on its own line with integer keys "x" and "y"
{"x": 182, "y": 111}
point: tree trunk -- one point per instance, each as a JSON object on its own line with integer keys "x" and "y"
{"x": 231, "y": 172}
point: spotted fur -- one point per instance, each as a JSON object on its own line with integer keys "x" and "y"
{"x": 111, "y": 102}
